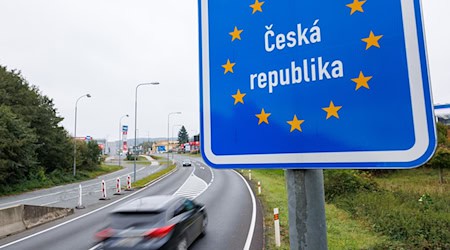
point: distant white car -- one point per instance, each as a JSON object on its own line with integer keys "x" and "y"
{"x": 187, "y": 163}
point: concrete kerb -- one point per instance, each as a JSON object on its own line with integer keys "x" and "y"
{"x": 21, "y": 217}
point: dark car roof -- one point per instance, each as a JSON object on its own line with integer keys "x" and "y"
{"x": 156, "y": 203}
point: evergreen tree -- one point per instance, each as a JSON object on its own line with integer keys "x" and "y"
{"x": 37, "y": 111}
{"x": 183, "y": 136}
{"x": 18, "y": 159}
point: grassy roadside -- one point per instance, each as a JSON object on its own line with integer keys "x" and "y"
{"x": 162, "y": 161}
{"x": 55, "y": 179}
{"x": 140, "y": 160}
{"x": 342, "y": 231}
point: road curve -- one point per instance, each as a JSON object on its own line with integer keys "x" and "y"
{"x": 225, "y": 194}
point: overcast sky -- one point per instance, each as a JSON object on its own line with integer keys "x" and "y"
{"x": 106, "y": 47}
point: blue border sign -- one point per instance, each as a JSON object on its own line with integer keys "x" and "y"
{"x": 314, "y": 84}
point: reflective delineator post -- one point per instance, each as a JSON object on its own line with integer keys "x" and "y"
{"x": 259, "y": 187}
{"x": 129, "y": 184}
{"x": 276, "y": 222}
{"x": 80, "y": 199}
{"x": 250, "y": 174}
{"x": 118, "y": 188}
{"x": 104, "y": 197}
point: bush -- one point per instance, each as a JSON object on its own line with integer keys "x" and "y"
{"x": 342, "y": 182}
{"x": 417, "y": 222}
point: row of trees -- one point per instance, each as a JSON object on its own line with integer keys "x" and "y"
{"x": 31, "y": 140}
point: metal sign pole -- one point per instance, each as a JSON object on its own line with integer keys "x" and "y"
{"x": 306, "y": 204}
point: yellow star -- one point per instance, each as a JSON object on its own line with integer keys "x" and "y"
{"x": 356, "y": 6}
{"x": 295, "y": 124}
{"x": 256, "y": 6}
{"x": 362, "y": 81}
{"x": 263, "y": 117}
{"x": 332, "y": 110}
{"x": 236, "y": 34}
{"x": 238, "y": 97}
{"x": 228, "y": 66}
{"x": 372, "y": 40}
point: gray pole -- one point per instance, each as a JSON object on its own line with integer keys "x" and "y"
{"x": 75, "y": 143}
{"x": 135, "y": 124}
{"x": 75, "y": 136}
{"x": 306, "y": 204}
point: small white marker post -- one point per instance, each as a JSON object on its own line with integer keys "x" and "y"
{"x": 250, "y": 174}
{"x": 80, "y": 199}
{"x": 276, "y": 222}
{"x": 259, "y": 187}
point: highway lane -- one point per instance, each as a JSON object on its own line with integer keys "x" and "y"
{"x": 226, "y": 197}
{"x": 68, "y": 195}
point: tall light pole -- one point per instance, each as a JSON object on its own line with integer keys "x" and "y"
{"x": 176, "y": 125}
{"x": 168, "y": 128}
{"x": 75, "y": 136}
{"x": 135, "y": 124}
{"x": 120, "y": 136}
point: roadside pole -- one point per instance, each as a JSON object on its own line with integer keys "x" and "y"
{"x": 306, "y": 204}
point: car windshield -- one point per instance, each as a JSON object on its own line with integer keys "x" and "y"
{"x": 124, "y": 220}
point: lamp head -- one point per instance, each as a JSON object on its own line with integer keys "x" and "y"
{"x": 88, "y": 95}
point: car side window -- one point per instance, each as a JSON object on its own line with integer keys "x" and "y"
{"x": 186, "y": 206}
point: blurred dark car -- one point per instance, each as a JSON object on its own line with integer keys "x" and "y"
{"x": 155, "y": 222}
{"x": 187, "y": 163}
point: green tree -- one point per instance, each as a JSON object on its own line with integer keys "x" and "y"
{"x": 442, "y": 134}
{"x": 17, "y": 148}
{"x": 37, "y": 110}
{"x": 441, "y": 158}
{"x": 183, "y": 136}
{"x": 88, "y": 155}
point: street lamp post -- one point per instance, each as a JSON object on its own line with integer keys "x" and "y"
{"x": 120, "y": 137}
{"x": 176, "y": 125}
{"x": 168, "y": 128}
{"x": 135, "y": 124}
{"x": 75, "y": 136}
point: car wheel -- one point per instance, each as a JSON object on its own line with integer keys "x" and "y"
{"x": 182, "y": 245}
{"x": 204, "y": 224}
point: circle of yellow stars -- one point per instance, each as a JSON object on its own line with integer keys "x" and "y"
{"x": 362, "y": 81}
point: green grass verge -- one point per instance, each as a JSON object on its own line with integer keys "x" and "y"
{"x": 410, "y": 207}
{"x": 142, "y": 182}
{"x": 342, "y": 231}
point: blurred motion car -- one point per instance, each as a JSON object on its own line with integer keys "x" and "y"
{"x": 154, "y": 222}
{"x": 187, "y": 163}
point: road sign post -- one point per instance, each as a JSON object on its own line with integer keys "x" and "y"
{"x": 314, "y": 85}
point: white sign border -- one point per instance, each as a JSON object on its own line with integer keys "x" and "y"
{"x": 417, "y": 99}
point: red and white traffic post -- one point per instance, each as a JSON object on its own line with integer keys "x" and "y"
{"x": 276, "y": 222}
{"x": 128, "y": 183}
{"x": 259, "y": 187}
{"x": 118, "y": 188}
{"x": 104, "y": 196}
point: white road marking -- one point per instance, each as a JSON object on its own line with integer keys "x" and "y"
{"x": 248, "y": 242}
{"x": 86, "y": 214}
{"x": 67, "y": 191}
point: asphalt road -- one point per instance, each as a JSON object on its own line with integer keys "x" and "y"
{"x": 68, "y": 195}
{"x": 235, "y": 217}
